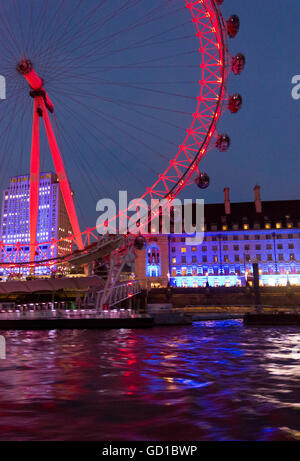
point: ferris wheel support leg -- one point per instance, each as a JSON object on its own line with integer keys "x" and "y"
{"x": 114, "y": 276}
{"x": 34, "y": 179}
{"x": 62, "y": 177}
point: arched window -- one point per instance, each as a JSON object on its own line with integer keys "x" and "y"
{"x": 153, "y": 263}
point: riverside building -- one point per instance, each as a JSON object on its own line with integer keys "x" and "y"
{"x": 235, "y": 235}
{"x": 53, "y": 221}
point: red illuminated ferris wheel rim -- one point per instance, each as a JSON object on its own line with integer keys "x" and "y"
{"x": 210, "y": 32}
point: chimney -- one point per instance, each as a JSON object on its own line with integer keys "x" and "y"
{"x": 258, "y": 206}
{"x": 227, "y": 201}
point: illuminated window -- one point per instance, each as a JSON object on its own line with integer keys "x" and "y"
{"x": 194, "y": 249}
{"x": 153, "y": 267}
{"x": 183, "y": 271}
{"x": 246, "y": 226}
{"x": 278, "y": 225}
{"x": 268, "y": 226}
{"x": 183, "y": 250}
{"x": 224, "y": 228}
{"x": 216, "y": 259}
{"x": 173, "y": 260}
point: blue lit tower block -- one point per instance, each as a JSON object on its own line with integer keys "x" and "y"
{"x": 53, "y": 221}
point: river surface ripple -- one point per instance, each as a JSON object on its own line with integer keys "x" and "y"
{"x": 210, "y": 381}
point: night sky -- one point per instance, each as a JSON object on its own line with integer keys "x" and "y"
{"x": 265, "y": 134}
{"x": 109, "y": 146}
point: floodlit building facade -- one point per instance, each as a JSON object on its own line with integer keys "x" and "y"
{"x": 53, "y": 221}
{"x": 235, "y": 234}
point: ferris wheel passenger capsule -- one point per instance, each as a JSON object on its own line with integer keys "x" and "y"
{"x": 233, "y": 26}
{"x": 238, "y": 64}
{"x": 202, "y": 180}
{"x": 139, "y": 242}
{"x": 223, "y": 142}
{"x": 235, "y": 103}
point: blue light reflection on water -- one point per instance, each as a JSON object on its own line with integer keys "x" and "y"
{"x": 209, "y": 381}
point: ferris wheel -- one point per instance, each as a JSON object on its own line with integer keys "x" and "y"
{"x": 122, "y": 95}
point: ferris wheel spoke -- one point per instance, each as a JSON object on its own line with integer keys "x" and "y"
{"x": 96, "y": 44}
{"x": 112, "y": 121}
{"x": 91, "y": 168}
{"x": 137, "y": 86}
{"x": 87, "y": 127}
{"x": 123, "y": 148}
{"x": 146, "y": 44}
{"x": 66, "y": 36}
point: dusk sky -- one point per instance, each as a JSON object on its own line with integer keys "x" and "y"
{"x": 108, "y": 146}
{"x": 265, "y": 134}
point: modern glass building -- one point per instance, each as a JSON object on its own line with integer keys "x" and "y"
{"x": 235, "y": 235}
{"x": 53, "y": 221}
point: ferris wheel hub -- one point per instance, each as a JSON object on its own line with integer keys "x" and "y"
{"x": 24, "y": 66}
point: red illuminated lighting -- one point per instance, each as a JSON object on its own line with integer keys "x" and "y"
{"x": 210, "y": 31}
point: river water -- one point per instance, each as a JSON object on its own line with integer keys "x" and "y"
{"x": 210, "y": 381}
